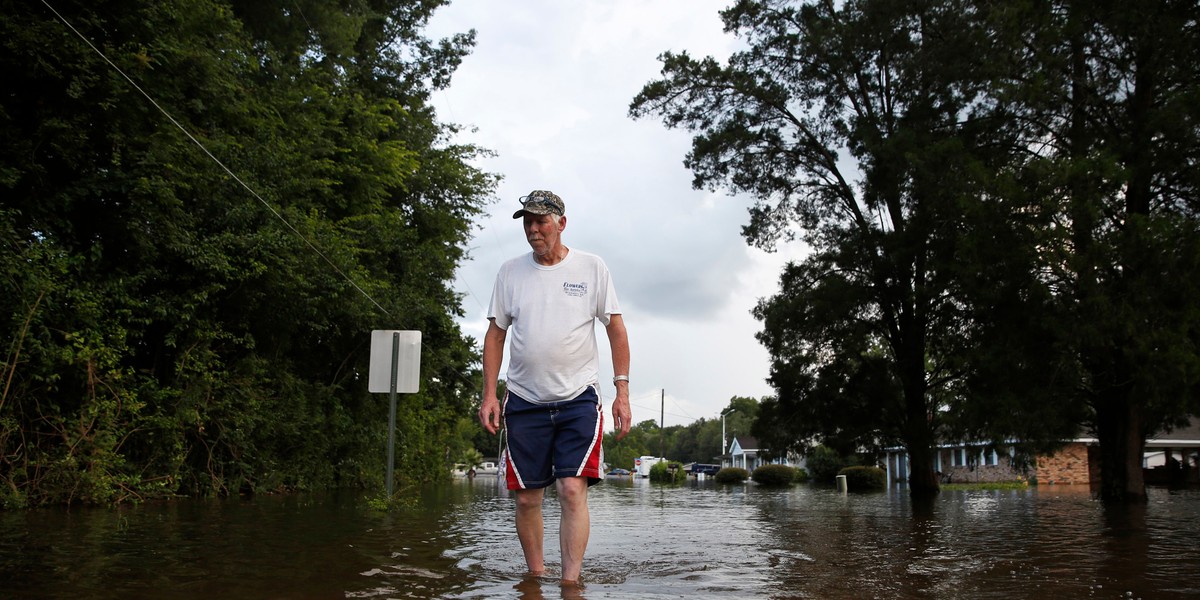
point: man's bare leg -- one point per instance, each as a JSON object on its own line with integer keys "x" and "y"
{"x": 574, "y": 527}
{"x": 529, "y": 529}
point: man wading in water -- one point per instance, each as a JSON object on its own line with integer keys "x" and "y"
{"x": 549, "y": 300}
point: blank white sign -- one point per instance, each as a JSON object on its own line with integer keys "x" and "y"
{"x": 408, "y": 362}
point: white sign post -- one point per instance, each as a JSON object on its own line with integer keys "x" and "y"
{"x": 395, "y": 368}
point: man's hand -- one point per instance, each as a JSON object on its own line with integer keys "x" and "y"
{"x": 489, "y": 414}
{"x": 493, "y": 355}
{"x": 618, "y": 340}
{"x": 622, "y": 416}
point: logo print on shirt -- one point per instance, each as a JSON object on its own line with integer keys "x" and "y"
{"x": 575, "y": 289}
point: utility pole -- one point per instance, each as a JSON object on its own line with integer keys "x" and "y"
{"x": 662, "y": 413}
{"x": 723, "y": 413}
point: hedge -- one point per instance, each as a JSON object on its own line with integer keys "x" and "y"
{"x": 774, "y": 475}
{"x": 661, "y": 473}
{"x": 731, "y": 475}
{"x": 864, "y": 478}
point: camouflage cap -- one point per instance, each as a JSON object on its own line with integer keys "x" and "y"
{"x": 541, "y": 202}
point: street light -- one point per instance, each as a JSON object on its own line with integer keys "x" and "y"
{"x": 723, "y": 413}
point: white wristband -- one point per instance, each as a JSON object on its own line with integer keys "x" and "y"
{"x": 624, "y": 378}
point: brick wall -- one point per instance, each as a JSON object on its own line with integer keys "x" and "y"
{"x": 1069, "y": 465}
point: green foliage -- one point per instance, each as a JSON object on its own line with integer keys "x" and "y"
{"x": 801, "y": 475}
{"x": 401, "y": 499}
{"x": 860, "y": 331}
{"x": 777, "y": 475}
{"x": 699, "y": 441}
{"x": 1127, "y": 249}
{"x": 1004, "y": 259}
{"x": 731, "y": 475}
{"x": 169, "y": 335}
{"x": 667, "y": 472}
{"x": 638, "y": 442}
{"x": 864, "y": 478}
{"x": 825, "y": 463}
{"x": 470, "y": 458}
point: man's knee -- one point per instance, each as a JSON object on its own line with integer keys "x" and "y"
{"x": 529, "y": 499}
{"x": 572, "y": 490}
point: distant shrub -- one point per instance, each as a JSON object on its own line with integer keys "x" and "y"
{"x": 824, "y": 463}
{"x": 731, "y": 475}
{"x": 860, "y": 479}
{"x": 801, "y": 475}
{"x": 773, "y": 475}
{"x": 664, "y": 472}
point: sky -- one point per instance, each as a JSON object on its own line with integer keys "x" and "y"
{"x": 547, "y": 88}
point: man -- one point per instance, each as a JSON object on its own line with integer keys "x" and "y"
{"x": 549, "y": 300}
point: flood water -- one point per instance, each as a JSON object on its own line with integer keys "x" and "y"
{"x": 648, "y": 541}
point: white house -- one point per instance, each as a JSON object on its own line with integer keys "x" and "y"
{"x": 745, "y": 453}
{"x": 1169, "y": 457}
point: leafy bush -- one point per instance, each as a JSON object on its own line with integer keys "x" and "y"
{"x": 801, "y": 475}
{"x": 824, "y": 463}
{"x": 860, "y": 479}
{"x": 731, "y": 475}
{"x": 664, "y": 472}
{"x": 774, "y": 475}
{"x": 172, "y": 339}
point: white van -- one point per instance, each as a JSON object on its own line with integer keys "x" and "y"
{"x": 642, "y": 464}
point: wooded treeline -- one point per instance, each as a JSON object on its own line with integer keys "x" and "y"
{"x": 1001, "y": 203}
{"x": 698, "y": 441}
{"x": 165, "y": 331}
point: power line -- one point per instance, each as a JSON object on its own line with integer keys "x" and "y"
{"x": 656, "y": 395}
{"x": 650, "y": 408}
{"x": 214, "y": 158}
{"x": 471, "y": 384}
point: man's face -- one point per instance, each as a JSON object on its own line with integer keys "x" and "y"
{"x": 542, "y": 232}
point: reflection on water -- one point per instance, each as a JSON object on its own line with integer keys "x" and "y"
{"x": 648, "y": 541}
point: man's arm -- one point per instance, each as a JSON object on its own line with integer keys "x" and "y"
{"x": 493, "y": 355}
{"x": 618, "y": 341}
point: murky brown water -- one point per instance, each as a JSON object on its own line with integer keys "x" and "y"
{"x": 648, "y": 541}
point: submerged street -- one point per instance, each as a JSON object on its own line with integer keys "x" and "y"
{"x": 648, "y": 541}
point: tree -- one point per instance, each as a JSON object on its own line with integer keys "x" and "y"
{"x": 867, "y": 318}
{"x": 638, "y": 442}
{"x": 1019, "y": 255}
{"x": 700, "y": 441}
{"x": 470, "y": 458}
{"x": 1115, "y": 124}
{"x": 839, "y": 411}
{"x": 206, "y": 345}
{"x": 740, "y": 416}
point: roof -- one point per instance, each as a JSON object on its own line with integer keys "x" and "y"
{"x": 1190, "y": 431}
{"x": 746, "y": 443}
{"x": 1188, "y": 435}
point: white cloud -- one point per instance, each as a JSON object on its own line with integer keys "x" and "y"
{"x": 548, "y": 88}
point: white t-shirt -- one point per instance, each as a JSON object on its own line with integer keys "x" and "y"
{"x": 549, "y": 314}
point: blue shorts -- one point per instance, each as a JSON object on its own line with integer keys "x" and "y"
{"x": 548, "y": 441}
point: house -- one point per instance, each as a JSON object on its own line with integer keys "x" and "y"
{"x": 1170, "y": 457}
{"x": 745, "y": 453}
{"x": 962, "y": 463}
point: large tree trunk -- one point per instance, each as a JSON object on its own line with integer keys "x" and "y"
{"x": 1119, "y": 427}
{"x": 923, "y": 481}
{"x": 919, "y": 436}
